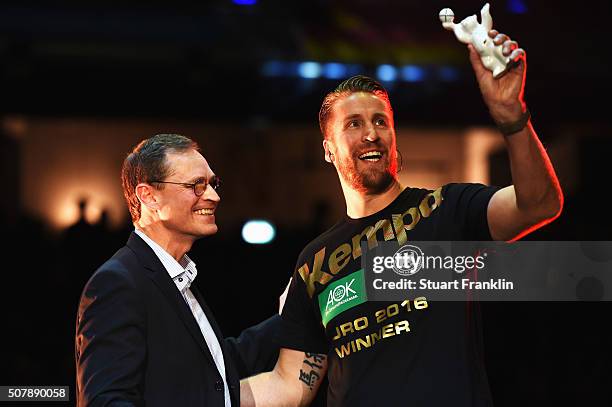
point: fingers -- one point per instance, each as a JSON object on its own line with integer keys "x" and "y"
{"x": 517, "y": 55}
{"x": 517, "y": 61}
{"x": 508, "y": 45}
{"x": 500, "y": 39}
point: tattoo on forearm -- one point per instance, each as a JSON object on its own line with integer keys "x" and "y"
{"x": 311, "y": 372}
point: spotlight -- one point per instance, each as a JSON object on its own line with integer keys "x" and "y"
{"x": 309, "y": 70}
{"x": 386, "y": 73}
{"x": 412, "y": 73}
{"x": 258, "y": 231}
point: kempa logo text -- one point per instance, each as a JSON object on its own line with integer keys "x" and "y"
{"x": 409, "y": 260}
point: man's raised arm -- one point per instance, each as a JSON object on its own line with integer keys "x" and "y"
{"x": 535, "y": 198}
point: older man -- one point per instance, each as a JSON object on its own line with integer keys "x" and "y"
{"x": 145, "y": 335}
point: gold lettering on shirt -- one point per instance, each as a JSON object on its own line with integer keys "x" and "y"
{"x": 370, "y": 340}
{"x": 350, "y": 327}
{"x": 386, "y": 331}
{"x": 317, "y": 275}
{"x": 430, "y": 202}
{"x": 339, "y": 258}
{"x": 396, "y": 228}
{"x": 370, "y": 234}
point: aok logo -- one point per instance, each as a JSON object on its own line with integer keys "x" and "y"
{"x": 341, "y": 295}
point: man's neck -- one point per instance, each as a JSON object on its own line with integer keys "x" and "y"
{"x": 361, "y": 204}
{"x": 175, "y": 247}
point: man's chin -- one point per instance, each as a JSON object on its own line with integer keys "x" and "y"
{"x": 367, "y": 177}
{"x": 376, "y": 183}
{"x": 208, "y": 230}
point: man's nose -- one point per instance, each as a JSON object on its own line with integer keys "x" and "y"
{"x": 211, "y": 194}
{"x": 371, "y": 135}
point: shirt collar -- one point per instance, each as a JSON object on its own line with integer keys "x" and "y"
{"x": 182, "y": 272}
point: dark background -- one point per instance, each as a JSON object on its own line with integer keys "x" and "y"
{"x": 204, "y": 61}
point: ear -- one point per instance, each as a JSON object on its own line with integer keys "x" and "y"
{"x": 147, "y": 196}
{"x": 328, "y": 150}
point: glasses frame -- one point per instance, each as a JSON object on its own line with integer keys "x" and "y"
{"x": 214, "y": 182}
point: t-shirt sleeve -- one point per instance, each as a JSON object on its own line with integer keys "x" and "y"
{"x": 301, "y": 328}
{"x": 467, "y": 204}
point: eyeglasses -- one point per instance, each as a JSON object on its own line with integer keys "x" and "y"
{"x": 198, "y": 187}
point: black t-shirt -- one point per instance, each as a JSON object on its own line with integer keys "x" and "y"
{"x": 409, "y": 353}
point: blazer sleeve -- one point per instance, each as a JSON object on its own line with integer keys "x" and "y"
{"x": 110, "y": 341}
{"x": 256, "y": 349}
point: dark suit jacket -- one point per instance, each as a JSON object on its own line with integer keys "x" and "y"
{"x": 137, "y": 342}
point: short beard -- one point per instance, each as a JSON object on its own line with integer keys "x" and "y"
{"x": 370, "y": 181}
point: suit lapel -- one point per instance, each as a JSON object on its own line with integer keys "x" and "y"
{"x": 162, "y": 280}
{"x": 207, "y": 312}
{"x": 230, "y": 374}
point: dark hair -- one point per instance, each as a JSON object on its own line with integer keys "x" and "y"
{"x": 147, "y": 162}
{"x": 358, "y": 83}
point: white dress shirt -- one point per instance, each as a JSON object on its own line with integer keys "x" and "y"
{"x": 183, "y": 273}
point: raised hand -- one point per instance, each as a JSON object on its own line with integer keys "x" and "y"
{"x": 503, "y": 95}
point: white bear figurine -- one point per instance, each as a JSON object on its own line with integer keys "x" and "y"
{"x": 470, "y": 31}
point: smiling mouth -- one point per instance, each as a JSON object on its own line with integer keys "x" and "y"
{"x": 371, "y": 156}
{"x": 205, "y": 211}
